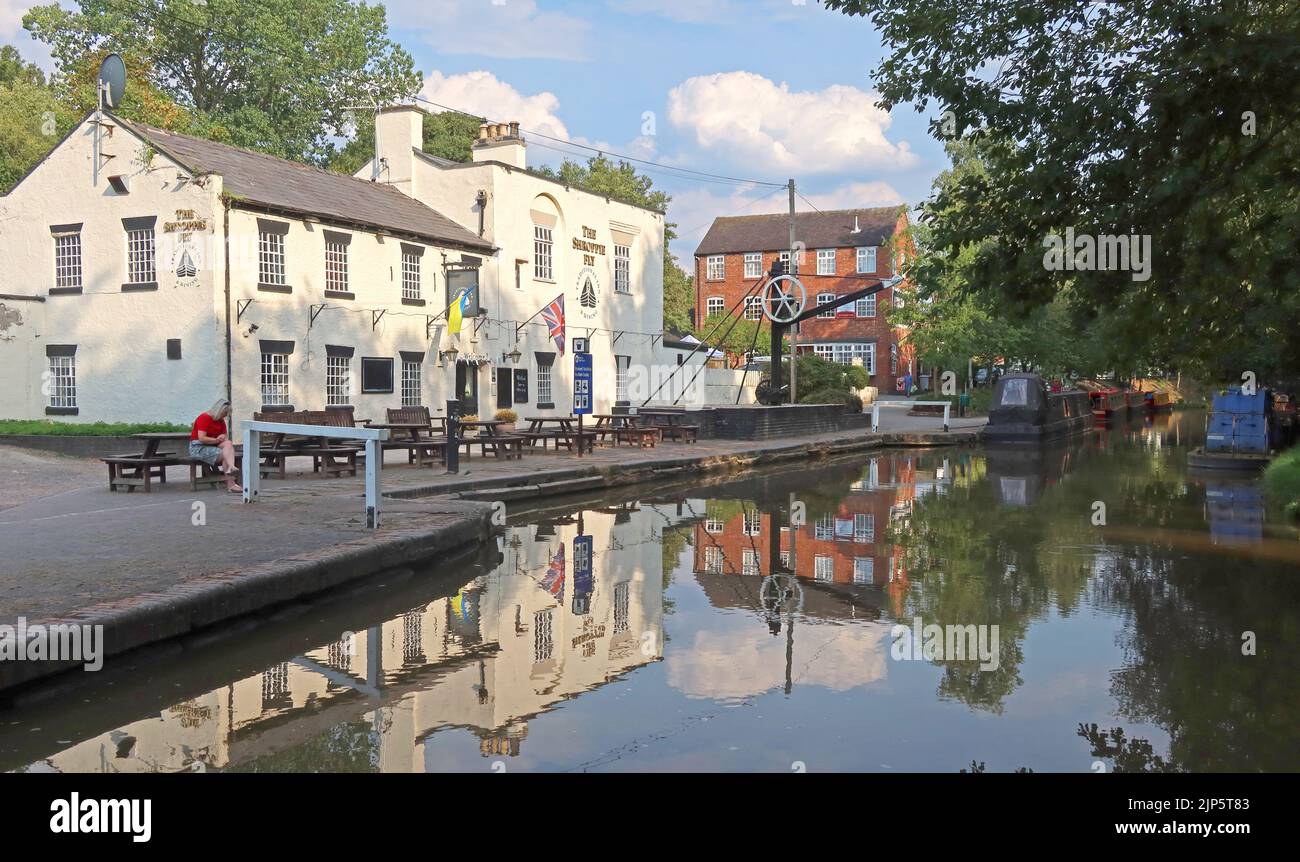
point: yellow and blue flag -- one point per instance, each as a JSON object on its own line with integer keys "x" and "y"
{"x": 456, "y": 311}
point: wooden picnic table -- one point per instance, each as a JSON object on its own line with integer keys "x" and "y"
{"x": 154, "y": 439}
{"x": 416, "y": 438}
{"x": 671, "y": 423}
{"x": 625, "y": 426}
{"x": 565, "y": 431}
{"x": 138, "y": 469}
{"x": 490, "y": 434}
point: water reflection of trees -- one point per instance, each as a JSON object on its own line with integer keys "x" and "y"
{"x": 978, "y": 555}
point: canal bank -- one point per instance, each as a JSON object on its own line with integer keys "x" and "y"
{"x": 682, "y": 626}
{"x": 168, "y": 565}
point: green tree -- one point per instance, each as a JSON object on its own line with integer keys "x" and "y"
{"x": 1175, "y": 121}
{"x": 14, "y": 68}
{"x": 280, "y": 75}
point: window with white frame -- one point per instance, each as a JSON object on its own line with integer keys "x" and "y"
{"x": 753, "y": 265}
{"x": 844, "y": 354}
{"x": 336, "y": 264}
{"x": 863, "y": 568}
{"x": 824, "y": 529}
{"x": 864, "y": 528}
{"x": 543, "y": 636}
{"x": 893, "y": 359}
{"x": 823, "y": 568}
{"x": 621, "y": 366}
{"x": 713, "y": 559}
{"x": 410, "y": 383}
{"x": 67, "y": 258}
{"x": 785, "y": 560}
{"x": 713, "y": 525}
{"x": 411, "y": 288}
{"x": 896, "y": 298}
{"x": 622, "y": 268}
{"x": 753, "y": 522}
{"x": 826, "y": 297}
{"x": 275, "y": 378}
{"x": 141, "y": 259}
{"x": 753, "y": 308}
{"x": 622, "y": 608}
{"x": 543, "y": 251}
{"x": 544, "y": 383}
{"x": 867, "y": 259}
{"x": 826, "y": 261}
{"x": 866, "y": 306}
{"x": 270, "y": 257}
{"x": 717, "y": 267}
{"x": 713, "y": 306}
{"x": 338, "y": 379}
{"x": 785, "y": 259}
{"x": 749, "y": 564}
{"x": 63, "y": 381}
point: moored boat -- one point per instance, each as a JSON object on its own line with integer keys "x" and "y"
{"x": 1106, "y": 402}
{"x": 1160, "y": 399}
{"x": 1023, "y": 409}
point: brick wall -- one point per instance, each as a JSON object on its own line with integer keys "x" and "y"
{"x": 734, "y": 285}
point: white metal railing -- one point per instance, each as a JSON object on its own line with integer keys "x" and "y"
{"x": 374, "y": 456}
{"x": 875, "y": 410}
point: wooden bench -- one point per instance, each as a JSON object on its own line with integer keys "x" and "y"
{"x": 203, "y": 474}
{"x": 568, "y": 438}
{"x": 643, "y": 437}
{"x": 685, "y": 433}
{"x": 532, "y": 438}
{"x": 324, "y": 457}
{"x": 131, "y": 471}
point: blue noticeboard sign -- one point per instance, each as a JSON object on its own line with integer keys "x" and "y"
{"x": 583, "y": 581}
{"x": 581, "y": 384}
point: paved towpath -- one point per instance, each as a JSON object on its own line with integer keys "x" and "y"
{"x": 68, "y": 544}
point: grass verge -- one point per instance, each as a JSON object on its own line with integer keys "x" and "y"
{"x": 46, "y": 428}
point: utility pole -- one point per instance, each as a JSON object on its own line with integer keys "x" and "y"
{"x": 794, "y": 329}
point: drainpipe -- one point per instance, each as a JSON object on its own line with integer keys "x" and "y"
{"x": 225, "y": 227}
{"x": 482, "y": 209}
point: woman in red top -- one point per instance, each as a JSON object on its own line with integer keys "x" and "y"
{"x": 210, "y": 443}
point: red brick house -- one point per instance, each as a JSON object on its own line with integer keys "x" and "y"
{"x": 843, "y": 251}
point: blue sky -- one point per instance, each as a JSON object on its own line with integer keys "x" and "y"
{"x": 763, "y": 89}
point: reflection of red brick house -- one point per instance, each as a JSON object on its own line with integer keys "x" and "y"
{"x": 845, "y": 546}
{"x": 843, "y": 251}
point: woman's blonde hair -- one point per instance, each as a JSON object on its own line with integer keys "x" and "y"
{"x": 215, "y": 410}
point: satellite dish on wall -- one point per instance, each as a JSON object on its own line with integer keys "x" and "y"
{"x": 112, "y": 81}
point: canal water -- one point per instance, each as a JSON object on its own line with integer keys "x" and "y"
{"x": 1132, "y": 616}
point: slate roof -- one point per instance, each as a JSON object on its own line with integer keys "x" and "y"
{"x": 257, "y": 179}
{"x": 831, "y": 229}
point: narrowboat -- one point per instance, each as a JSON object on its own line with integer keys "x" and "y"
{"x": 1241, "y": 432}
{"x": 1160, "y": 399}
{"x": 1024, "y": 410}
{"x": 1106, "y": 402}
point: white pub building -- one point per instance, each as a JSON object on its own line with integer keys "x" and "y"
{"x": 149, "y": 273}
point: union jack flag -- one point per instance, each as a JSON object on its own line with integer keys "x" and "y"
{"x": 553, "y": 314}
{"x": 553, "y": 581}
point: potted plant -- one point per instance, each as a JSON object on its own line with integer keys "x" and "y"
{"x": 507, "y": 417}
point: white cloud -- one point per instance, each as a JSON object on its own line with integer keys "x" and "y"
{"x": 11, "y": 17}
{"x": 485, "y": 94}
{"x": 769, "y": 128}
{"x": 712, "y": 11}
{"x": 694, "y": 210}
{"x": 873, "y": 193}
{"x": 734, "y": 664}
{"x": 514, "y": 29}
{"x": 693, "y": 11}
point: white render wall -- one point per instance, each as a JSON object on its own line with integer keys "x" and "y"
{"x": 123, "y": 373}
{"x": 507, "y": 222}
{"x": 374, "y": 277}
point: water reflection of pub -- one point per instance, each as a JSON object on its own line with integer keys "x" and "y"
{"x": 841, "y": 561}
{"x": 507, "y": 646}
